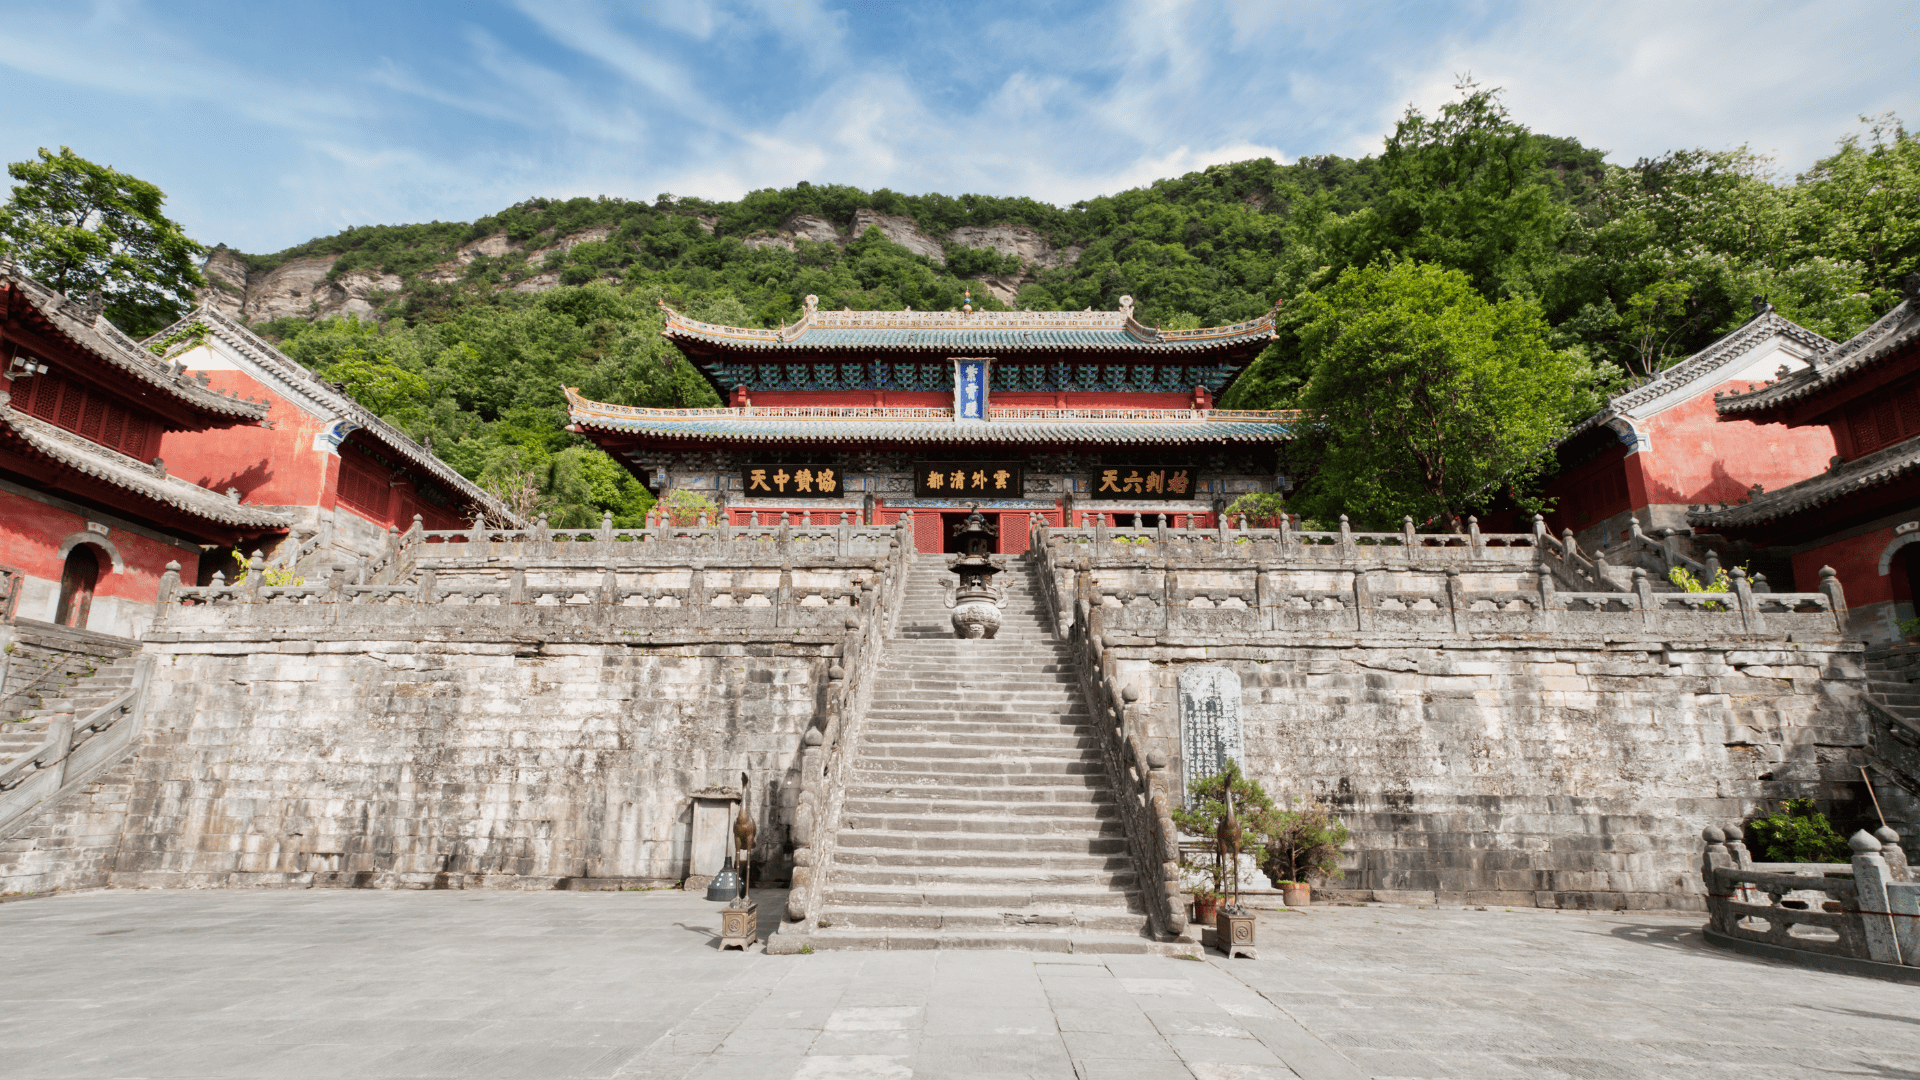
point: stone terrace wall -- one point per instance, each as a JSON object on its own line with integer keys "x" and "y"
{"x": 505, "y": 716}
{"x": 1486, "y": 738}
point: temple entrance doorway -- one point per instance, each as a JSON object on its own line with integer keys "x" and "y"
{"x": 77, "y": 582}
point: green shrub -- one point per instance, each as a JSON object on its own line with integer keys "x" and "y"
{"x": 1796, "y": 833}
{"x": 1263, "y": 510}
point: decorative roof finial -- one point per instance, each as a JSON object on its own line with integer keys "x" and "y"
{"x": 966, "y": 301}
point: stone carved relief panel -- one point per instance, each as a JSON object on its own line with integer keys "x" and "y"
{"x": 1210, "y": 732}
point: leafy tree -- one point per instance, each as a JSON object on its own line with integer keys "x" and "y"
{"x": 1466, "y": 189}
{"x": 1302, "y": 844}
{"x": 1429, "y": 396}
{"x": 1250, "y": 803}
{"x": 79, "y": 227}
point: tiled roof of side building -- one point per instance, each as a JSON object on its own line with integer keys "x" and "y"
{"x": 858, "y": 424}
{"x": 949, "y": 332}
{"x": 1896, "y": 330}
{"x": 1848, "y": 478}
{"x": 297, "y": 378}
{"x": 39, "y": 438}
{"x": 91, "y": 331}
{"x": 1702, "y": 366}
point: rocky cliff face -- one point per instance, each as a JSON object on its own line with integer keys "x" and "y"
{"x": 305, "y": 287}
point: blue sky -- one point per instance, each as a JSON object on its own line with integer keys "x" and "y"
{"x": 269, "y": 123}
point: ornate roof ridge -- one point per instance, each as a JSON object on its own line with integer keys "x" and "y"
{"x": 308, "y": 383}
{"x": 1759, "y": 328}
{"x": 579, "y": 405}
{"x": 89, "y": 329}
{"x": 1840, "y": 362}
{"x": 813, "y": 318}
{"x": 132, "y": 475}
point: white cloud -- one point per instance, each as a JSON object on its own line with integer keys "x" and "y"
{"x": 1640, "y": 78}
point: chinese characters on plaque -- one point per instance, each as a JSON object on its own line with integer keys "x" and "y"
{"x": 791, "y": 481}
{"x": 966, "y": 480}
{"x": 1143, "y": 482}
{"x": 969, "y": 389}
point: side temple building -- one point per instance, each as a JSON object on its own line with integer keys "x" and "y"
{"x": 1065, "y": 415}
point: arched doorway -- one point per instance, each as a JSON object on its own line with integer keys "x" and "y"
{"x": 77, "y": 581}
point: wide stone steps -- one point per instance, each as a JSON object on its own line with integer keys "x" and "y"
{"x": 978, "y": 812}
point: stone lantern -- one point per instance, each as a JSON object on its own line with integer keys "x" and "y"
{"x": 973, "y": 597}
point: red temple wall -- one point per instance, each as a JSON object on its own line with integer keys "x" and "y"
{"x": 1697, "y": 458}
{"x": 31, "y": 534}
{"x": 275, "y": 466}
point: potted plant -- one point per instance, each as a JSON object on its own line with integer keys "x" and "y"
{"x": 1262, "y": 510}
{"x": 1205, "y": 819}
{"x": 1301, "y": 845}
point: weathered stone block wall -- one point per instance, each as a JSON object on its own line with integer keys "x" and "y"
{"x": 440, "y": 762}
{"x": 1554, "y": 773}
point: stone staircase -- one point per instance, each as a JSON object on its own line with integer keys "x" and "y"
{"x": 1893, "y": 682}
{"x": 76, "y": 699}
{"x": 978, "y": 813}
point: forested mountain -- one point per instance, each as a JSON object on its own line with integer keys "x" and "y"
{"x": 467, "y": 331}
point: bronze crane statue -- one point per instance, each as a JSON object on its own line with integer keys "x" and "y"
{"x": 743, "y": 836}
{"x": 1229, "y": 838}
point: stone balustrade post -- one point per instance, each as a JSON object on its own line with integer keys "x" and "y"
{"x": 605, "y": 534}
{"x": 1407, "y": 538}
{"x": 1286, "y": 531}
{"x": 1540, "y": 532}
{"x": 1473, "y": 533}
{"x": 1454, "y": 598}
{"x": 477, "y": 534}
{"x": 1362, "y": 595}
{"x": 1713, "y": 568}
{"x": 1836, "y": 598}
{"x": 393, "y": 544}
{"x": 256, "y": 577}
{"x": 1870, "y": 881}
{"x": 905, "y": 525}
{"x": 542, "y": 530}
{"x": 1346, "y": 538}
{"x": 1895, "y": 855}
{"x": 1547, "y": 599}
{"x": 1100, "y": 529}
{"x": 786, "y": 527}
{"x": 1737, "y": 844}
{"x": 1644, "y": 596}
{"x": 1633, "y": 528}
{"x": 169, "y": 584}
{"x": 1750, "y": 617}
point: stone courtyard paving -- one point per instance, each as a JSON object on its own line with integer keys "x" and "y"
{"x": 284, "y": 984}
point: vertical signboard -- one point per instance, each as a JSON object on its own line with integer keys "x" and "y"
{"x": 970, "y": 387}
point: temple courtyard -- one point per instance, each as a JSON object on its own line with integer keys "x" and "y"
{"x": 282, "y": 984}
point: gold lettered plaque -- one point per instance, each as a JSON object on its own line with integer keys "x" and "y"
{"x": 967, "y": 480}
{"x": 1143, "y": 482}
{"x": 792, "y": 481}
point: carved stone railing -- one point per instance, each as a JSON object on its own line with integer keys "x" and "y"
{"x": 809, "y": 536}
{"x": 74, "y": 751}
{"x": 1163, "y": 587}
{"x": 553, "y": 595}
{"x": 1230, "y": 540}
{"x": 830, "y": 744}
{"x": 1782, "y": 909}
{"x": 1136, "y": 760}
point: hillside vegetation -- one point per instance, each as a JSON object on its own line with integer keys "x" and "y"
{"x": 475, "y": 326}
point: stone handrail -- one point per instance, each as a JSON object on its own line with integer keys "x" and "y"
{"x": 830, "y": 744}
{"x": 600, "y": 600}
{"x": 1230, "y": 540}
{"x": 840, "y": 534}
{"x": 74, "y": 750}
{"x": 1136, "y": 762}
{"x": 1147, "y": 596}
{"x": 1874, "y": 915}
{"x": 1895, "y": 742}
